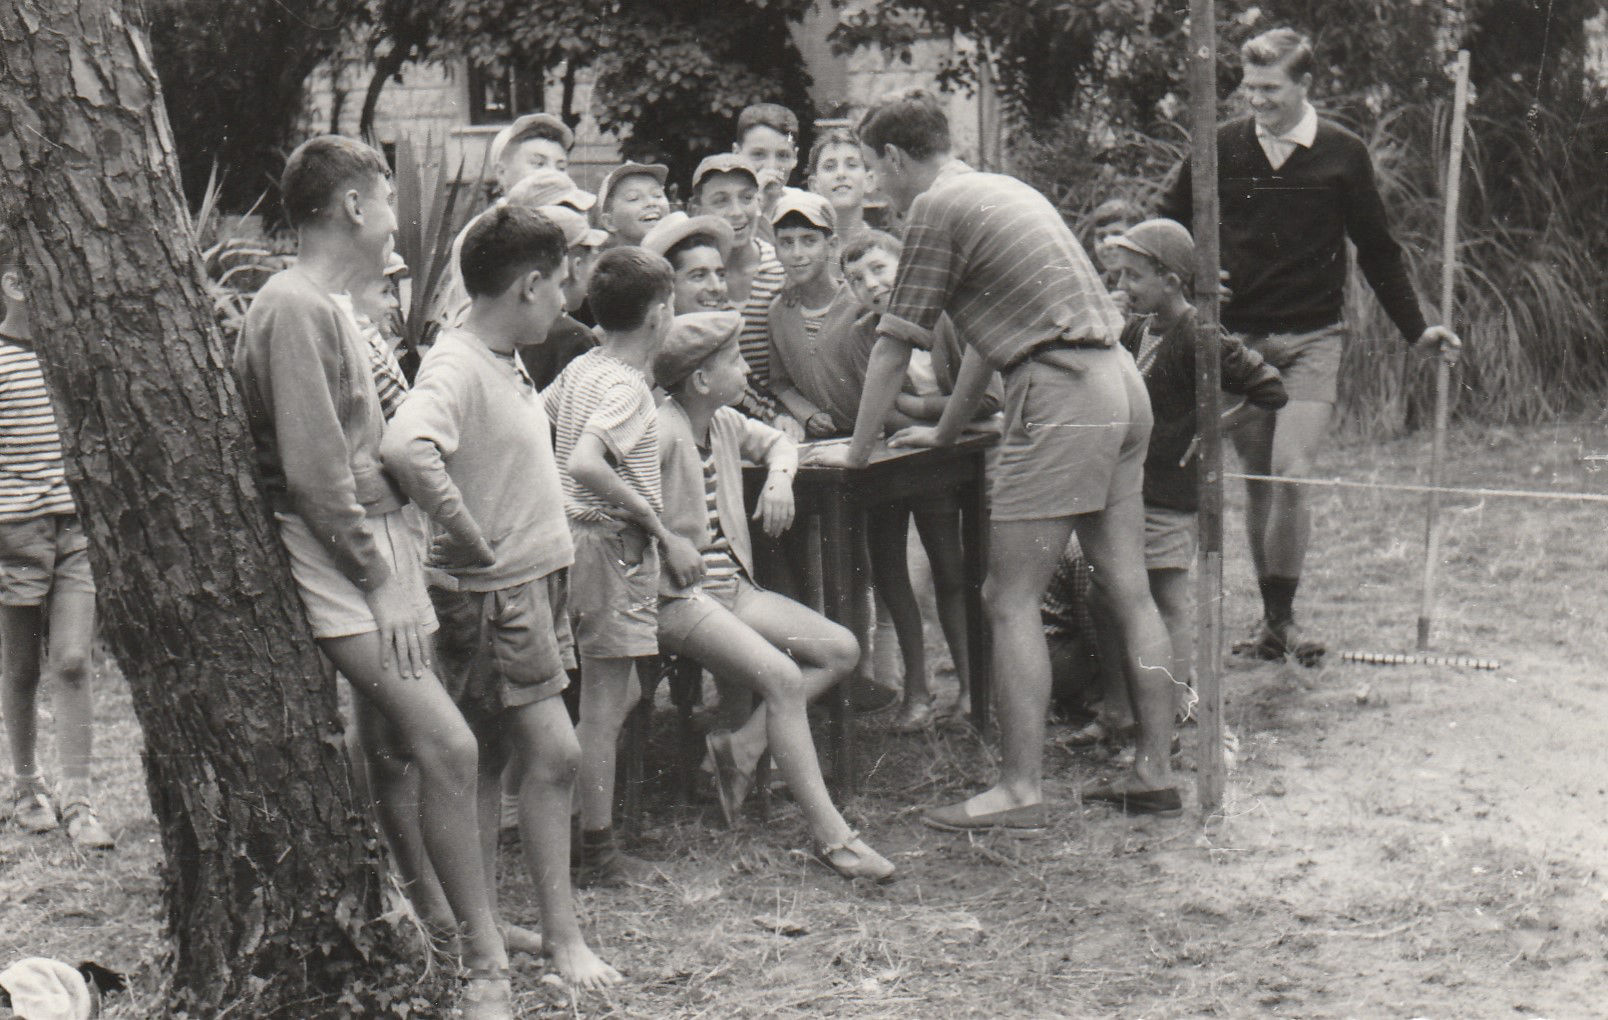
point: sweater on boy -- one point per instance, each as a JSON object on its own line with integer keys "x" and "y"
{"x": 828, "y": 369}
{"x": 32, "y": 481}
{"x": 1168, "y": 368}
{"x": 471, "y": 445}
{"x": 600, "y": 394}
{"x": 1284, "y": 231}
{"x": 733, "y": 437}
{"x": 315, "y": 419}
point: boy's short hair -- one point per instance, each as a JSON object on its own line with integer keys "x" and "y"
{"x": 836, "y": 136}
{"x": 689, "y": 243}
{"x": 866, "y": 241}
{"x": 913, "y": 120}
{"x": 626, "y": 283}
{"x": 320, "y": 168}
{"x": 505, "y": 243}
{"x": 1280, "y": 47}
{"x": 1116, "y": 210}
{"x": 772, "y": 115}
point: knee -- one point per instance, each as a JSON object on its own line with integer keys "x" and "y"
{"x": 556, "y": 763}
{"x": 452, "y": 747}
{"x": 72, "y": 669}
{"x": 842, "y": 651}
{"x": 780, "y": 682}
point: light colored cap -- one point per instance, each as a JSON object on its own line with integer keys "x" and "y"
{"x": 815, "y": 209}
{"x": 678, "y": 226}
{"x": 525, "y": 126}
{"x": 1166, "y": 241}
{"x": 658, "y": 171}
{"x": 578, "y": 233}
{"x": 693, "y": 337}
{"x": 43, "y": 989}
{"x": 548, "y": 186}
{"x": 395, "y": 265}
{"x": 723, "y": 163}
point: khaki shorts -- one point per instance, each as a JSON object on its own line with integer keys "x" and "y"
{"x": 335, "y": 606}
{"x": 42, "y": 556}
{"x": 1077, "y": 424}
{"x": 680, "y": 615}
{"x": 1309, "y": 363}
{"x": 1169, "y": 538}
{"x": 614, "y": 591}
{"x": 504, "y": 648}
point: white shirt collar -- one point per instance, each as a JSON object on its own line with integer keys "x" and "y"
{"x": 1303, "y": 134}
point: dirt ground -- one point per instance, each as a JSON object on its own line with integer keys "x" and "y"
{"x": 1396, "y": 842}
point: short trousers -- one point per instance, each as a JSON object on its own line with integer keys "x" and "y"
{"x": 614, "y": 591}
{"x": 1077, "y": 424}
{"x": 335, "y": 606}
{"x": 504, "y": 648}
{"x": 42, "y": 556}
{"x": 1169, "y": 538}
{"x": 680, "y": 615}
{"x": 1309, "y": 363}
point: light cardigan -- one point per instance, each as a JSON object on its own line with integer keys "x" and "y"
{"x": 733, "y": 437}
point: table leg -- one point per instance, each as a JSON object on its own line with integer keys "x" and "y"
{"x": 841, "y": 529}
{"x": 974, "y": 540}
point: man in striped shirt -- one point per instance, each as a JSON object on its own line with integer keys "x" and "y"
{"x": 44, "y": 580}
{"x": 995, "y": 255}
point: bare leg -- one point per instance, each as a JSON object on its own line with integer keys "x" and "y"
{"x": 888, "y": 532}
{"x": 394, "y": 784}
{"x": 72, "y": 629}
{"x": 1113, "y": 540}
{"x": 1253, "y": 441}
{"x": 1022, "y": 556}
{"x": 940, "y": 535}
{"x": 1116, "y": 703}
{"x": 728, "y": 646}
{"x": 1170, "y": 589}
{"x": 608, "y": 693}
{"x": 427, "y": 722}
{"x": 547, "y": 744}
{"x": 1303, "y": 425}
{"x": 19, "y": 684}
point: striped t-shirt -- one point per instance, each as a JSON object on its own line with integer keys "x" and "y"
{"x": 601, "y": 394}
{"x": 754, "y": 339}
{"x": 32, "y": 480}
{"x": 720, "y": 566}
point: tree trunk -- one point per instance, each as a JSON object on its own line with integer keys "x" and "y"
{"x": 271, "y": 876}
{"x": 386, "y": 67}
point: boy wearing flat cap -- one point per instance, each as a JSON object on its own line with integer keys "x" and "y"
{"x": 782, "y": 651}
{"x": 631, "y": 201}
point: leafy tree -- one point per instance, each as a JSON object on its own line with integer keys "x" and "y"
{"x": 671, "y": 75}
{"x": 238, "y": 70}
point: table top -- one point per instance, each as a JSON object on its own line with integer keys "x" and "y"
{"x": 899, "y": 459}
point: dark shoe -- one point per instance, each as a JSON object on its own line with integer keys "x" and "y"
{"x": 852, "y": 859}
{"x": 1164, "y": 803}
{"x": 1280, "y": 639}
{"x": 955, "y": 818}
{"x": 731, "y": 783}
{"x": 604, "y": 864}
{"x": 867, "y": 697}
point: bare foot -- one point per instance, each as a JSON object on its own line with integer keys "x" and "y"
{"x": 521, "y": 940}
{"x": 582, "y": 968}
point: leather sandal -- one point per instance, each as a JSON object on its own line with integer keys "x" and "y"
{"x": 852, "y": 859}
{"x": 487, "y": 994}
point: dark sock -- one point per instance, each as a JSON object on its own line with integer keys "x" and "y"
{"x": 1278, "y": 598}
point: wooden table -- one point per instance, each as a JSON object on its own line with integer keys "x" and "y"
{"x": 832, "y": 504}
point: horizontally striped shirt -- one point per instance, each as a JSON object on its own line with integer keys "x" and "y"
{"x": 32, "y": 480}
{"x": 720, "y": 566}
{"x": 600, "y": 394}
{"x": 995, "y": 254}
{"x": 753, "y": 340}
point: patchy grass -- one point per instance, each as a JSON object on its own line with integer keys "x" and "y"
{"x": 1396, "y": 841}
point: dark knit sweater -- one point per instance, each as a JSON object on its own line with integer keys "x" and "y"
{"x": 1283, "y": 232}
{"x": 1170, "y": 379}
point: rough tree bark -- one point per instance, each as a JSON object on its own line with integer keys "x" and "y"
{"x": 271, "y": 874}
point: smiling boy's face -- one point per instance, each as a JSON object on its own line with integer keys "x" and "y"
{"x": 635, "y": 205}
{"x": 803, "y": 252}
{"x": 871, "y": 277}
{"x": 735, "y": 199}
{"x": 842, "y": 177}
{"x": 700, "y": 280}
{"x": 773, "y": 155}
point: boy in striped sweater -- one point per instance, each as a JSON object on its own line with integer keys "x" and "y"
{"x": 45, "y": 584}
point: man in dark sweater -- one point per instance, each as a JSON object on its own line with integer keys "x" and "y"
{"x": 1293, "y": 187}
